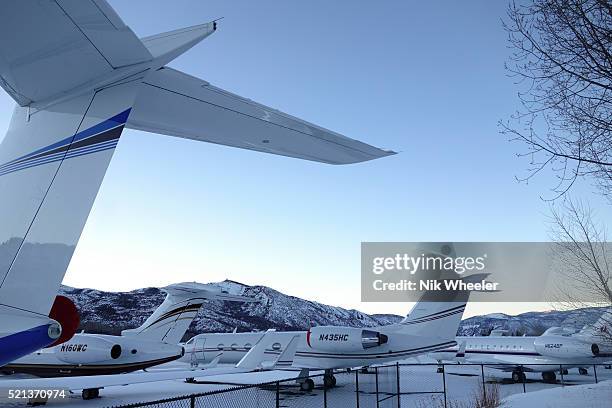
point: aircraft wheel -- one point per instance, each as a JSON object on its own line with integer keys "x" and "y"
{"x": 549, "y": 376}
{"x": 329, "y": 380}
{"x": 516, "y": 376}
{"x": 90, "y": 393}
{"x": 583, "y": 371}
{"x": 565, "y": 372}
{"x": 307, "y": 385}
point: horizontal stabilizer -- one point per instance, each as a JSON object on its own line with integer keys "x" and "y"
{"x": 177, "y": 104}
{"x": 172, "y": 318}
{"x": 102, "y": 381}
{"x": 75, "y": 42}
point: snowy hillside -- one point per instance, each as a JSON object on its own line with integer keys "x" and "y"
{"x": 530, "y": 323}
{"x": 111, "y": 312}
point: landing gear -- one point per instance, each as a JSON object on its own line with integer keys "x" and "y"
{"x": 518, "y": 376}
{"x": 90, "y": 393}
{"x": 549, "y": 376}
{"x": 329, "y": 380}
{"x": 583, "y": 371}
{"x": 307, "y": 385}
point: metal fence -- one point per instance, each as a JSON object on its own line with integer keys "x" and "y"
{"x": 390, "y": 386}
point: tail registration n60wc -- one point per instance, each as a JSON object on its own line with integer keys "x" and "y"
{"x": 79, "y": 76}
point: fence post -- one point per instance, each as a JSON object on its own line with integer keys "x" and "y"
{"x": 561, "y": 369}
{"x": 357, "y": 386}
{"x": 397, "y": 378}
{"x": 377, "y": 397}
{"x": 595, "y": 372}
{"x": 324, "y": 395}
{"x": 277, "y": 394}
{"x": 523, "y": 378}
{"x": 192, "y": 401}
{"x": 484, "y": 387}
{"x": 444, "y": 382}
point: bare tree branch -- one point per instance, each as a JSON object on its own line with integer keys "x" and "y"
{"x": 562, "y": 60}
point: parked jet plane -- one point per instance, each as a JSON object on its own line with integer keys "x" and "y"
{"x": 79, "y": 76}
{"x": 430, "y": 325}
{"x": 154, "y": 342}
{"x": 547, "y": 354}
{"x": 255, "y": 360}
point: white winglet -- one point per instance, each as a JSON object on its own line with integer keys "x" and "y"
{"x": 285, "y": 359}
{"x": 254, "y": 359}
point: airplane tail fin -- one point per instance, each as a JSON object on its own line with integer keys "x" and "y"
{"x": 170, "y": 321}
{"x": 601, "y": 328}
{"x": 438, "y": 313}
{"x": 52, "y": 163}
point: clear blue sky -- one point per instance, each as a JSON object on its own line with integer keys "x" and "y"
{"x": 424, "y": 79}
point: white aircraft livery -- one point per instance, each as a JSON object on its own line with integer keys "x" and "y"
{"x": 255, "y": 360}
{"x": 79, "y": 76}
{"x": 431, "y": 325}
{"x": 549, "y": 353}
{"x": 154, "y": 342}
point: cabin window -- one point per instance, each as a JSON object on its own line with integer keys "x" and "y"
{"x": 276, "y": 346}
{"x": 220, "y": 346}
{"x": 248, "y": 346}
{"x": 234, "y": 346}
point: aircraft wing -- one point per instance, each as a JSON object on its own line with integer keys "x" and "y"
{"x": 75, "y": 42}
{"x": 101, "y": 381}
{"x": 176, "y": 104}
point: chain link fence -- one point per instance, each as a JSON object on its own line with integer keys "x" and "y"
{"x": 393, "y": 386}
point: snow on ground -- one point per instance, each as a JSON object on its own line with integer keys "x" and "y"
{"x": 583, "y": 396}
{"x": 420, "y": 386}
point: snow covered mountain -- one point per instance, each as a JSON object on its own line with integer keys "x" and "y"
{"x": 111, "y": 312}
{"x": 530, "y": 323}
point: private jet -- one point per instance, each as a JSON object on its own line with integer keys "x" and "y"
{"x": 155, "y": 342}
{"x": 554, "y": 351}
{"x": 79, "y": 75}
{"x": 431, "y": 325}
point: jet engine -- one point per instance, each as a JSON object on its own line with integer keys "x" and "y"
{"x": 343, "y": 339}
{"x": 564, "y": 347}
{"x": 85, "y": 350}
